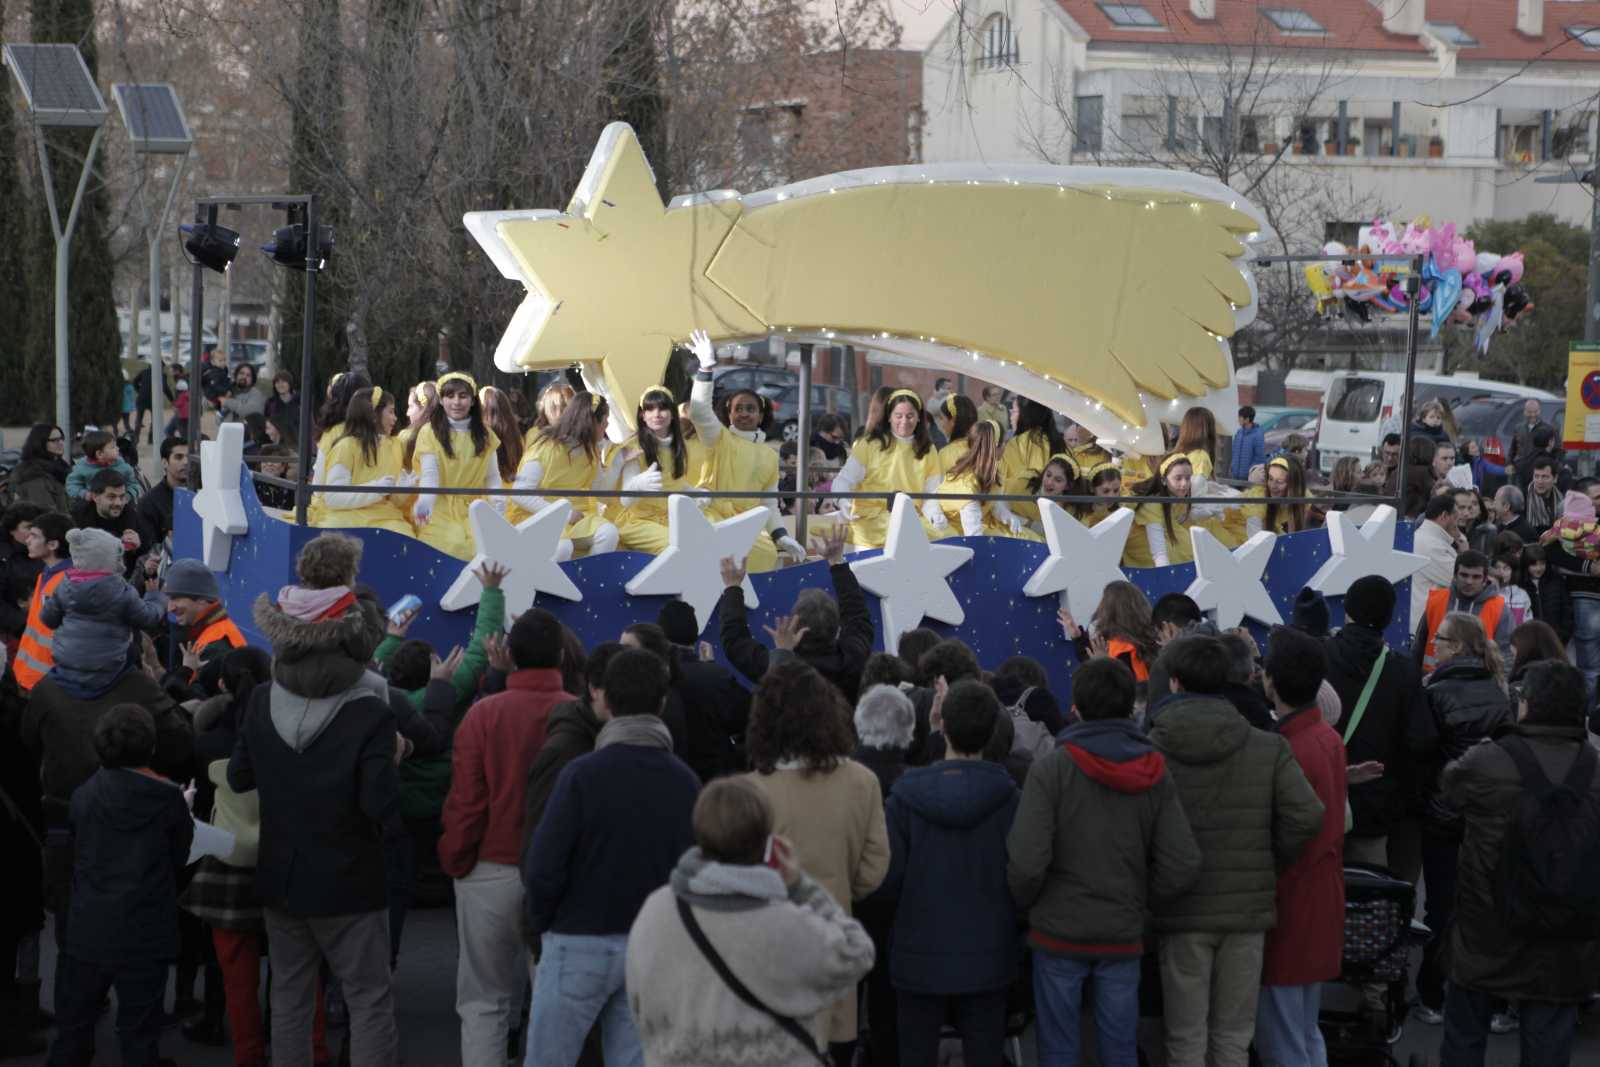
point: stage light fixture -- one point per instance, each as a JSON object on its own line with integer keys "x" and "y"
{"x": 210, "y": 246}
{"x": 288, "y": 247}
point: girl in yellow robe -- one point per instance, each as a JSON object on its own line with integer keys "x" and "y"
{"x": 454, "y": 450}
{"x": 367, "y": 455}
{"x": 977, "y": 471}
{"x": 420, "y": 402}
{"x": 955, "y": 417}
{"x": 658, "y": 457}
{"x": 1102, "y": 479}
{"x": 1285, "y": 478}
{"x": 896, "y": 457}
{"x": 738, "y": 459}
{"x": 1035, "y": 439}
{"x": 330, "y": 422}
{"x": 1059, "y": 477}
{"x": 1161, "y": 531}
{"x": 567, "y": 456}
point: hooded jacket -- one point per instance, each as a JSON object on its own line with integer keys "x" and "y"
{"x": 1381, "y": 734}
{"x": 1472, "y": 606}
{"x": 132, "y": 840}
{"x": 1250, "y": 806}
{"x": 1100, "y": 833}
{"x": 94, "y": 616}
{"x": 322, "y": 760}
{"x": 42, "y": 482}
{"x": 1461, "y": 705}
{"x": 955, "y": 929}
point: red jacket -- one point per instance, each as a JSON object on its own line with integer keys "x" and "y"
{"x": 494, "y": 747}
{"x": 1308, "y": 941}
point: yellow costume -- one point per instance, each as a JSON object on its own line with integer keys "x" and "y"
{"x": 1200, "y": 460}
{"x": 642, "y": 523}
{"x": 1179, "y": 548}
{"x": 563, "y": 468}
{"x": 316, "y": 511}
{"x": 447, "y": 528}
{"x": 1135, "y": 469}
{"x": 382, "y": 512}
{"x": 737, "y": 463}
{"x": 889, "y": 469}
{"x": 1022, "y": 460}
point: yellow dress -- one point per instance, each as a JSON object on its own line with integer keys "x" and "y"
{"x": 890, "y": 469}
{"x": 1021, "y": 461}
{"x": 1200, "y": 461}
{"x": 642, "y": 524}
{"x": 736, "y": 464}
{"x": 382, "y": 512}
{"x": 566, "y": 469}
{"x": 317, "y": 511}
{"x": 448, "y": 529}
{"x": 1179, "y": 548}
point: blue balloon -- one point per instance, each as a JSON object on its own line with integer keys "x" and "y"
{"x": 1445, "y": 295}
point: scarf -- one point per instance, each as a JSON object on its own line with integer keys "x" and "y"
{"x": 311, "y": 605}
{"x": 1541, "y": 514}
{"x": 725, "y": 886}
{"x": 646, "y": 731}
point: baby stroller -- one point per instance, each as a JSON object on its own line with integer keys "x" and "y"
{"x": 1379, "y": 932}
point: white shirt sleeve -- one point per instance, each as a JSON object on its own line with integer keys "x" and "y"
{"x": 774, "y": 515}
{"x": 1157, "y": 539}
{"x": 702, "y": 414}
{"x": 339, "y": 474}
{"x": 431, "y": 479}
{"x": 848, "y": 480}
{"x": 971, "y": 518}
{"x": 491, "y": 480}
{"x": 1252, "y": 525}
{"x": 530, "y": 476}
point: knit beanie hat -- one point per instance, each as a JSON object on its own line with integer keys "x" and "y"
{"x": 1311, "y": 613}
{"x": 191, "y": 578}
{"x": 94, "y": 550}
{"x": 1370, "y": 601}
{"x": 678, "y": 621}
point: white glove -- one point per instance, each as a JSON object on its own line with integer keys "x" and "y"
{"x": 934, "y": 514}
{"x": 386, "y": 482}
{"x": 791, "y": 550}
{"x": 700, "y": 345}
{"x": 701, "y": 502}
{"x": 423, "y": 510}
{"x": 1017, "y": 523}
{"x": 647, "y": 481}
{"x": 407, "y": 480}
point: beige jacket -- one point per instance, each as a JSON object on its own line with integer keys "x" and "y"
{"x": 834, "y": 819}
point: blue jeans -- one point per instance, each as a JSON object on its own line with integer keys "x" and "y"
{"x": 1113, "y": 991}
{"x": 581, "y": 978}
{"x": 1546, "y": 1033}
{"x": 1586, "y": 636}
{"x": 1286, "y": 1026}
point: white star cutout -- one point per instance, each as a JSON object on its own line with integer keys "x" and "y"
{"x": 1360, "y": 551}
{"x": 691, "y": 567}
{"x": 218, "y": 503}
{"x": 527, "y": 551}
{"x": 1083, "y": 560}
{"x": 910, "y": 578}
{"x": 1230, "y": 582}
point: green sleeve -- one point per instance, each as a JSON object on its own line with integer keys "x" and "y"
{"x": 491, "y": 621}
{"x": 385, "y": 650}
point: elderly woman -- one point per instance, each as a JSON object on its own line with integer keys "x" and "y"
{"x": 742, "y": 890}
{"x": 830, "y": 806}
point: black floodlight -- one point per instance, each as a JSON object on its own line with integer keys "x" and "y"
{"x": 210, "y": 246}
{"x": 288, "y": 247}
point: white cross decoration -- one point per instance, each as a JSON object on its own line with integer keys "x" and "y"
{"x": 528, "y": 551}
{"x": 218, "y": 503}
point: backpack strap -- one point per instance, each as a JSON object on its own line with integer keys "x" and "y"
{"x": 1528, "y": 767}
{"x": 787, "y": 1023}
{"x": 1366, "y": 695}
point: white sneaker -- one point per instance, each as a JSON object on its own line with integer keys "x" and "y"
{"x": 1503, "y": 1023}
{"x": 1427, "y": 1015}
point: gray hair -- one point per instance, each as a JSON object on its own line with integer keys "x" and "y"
{"x": 1511, "y": 498}
{"x": 885, "y": 718}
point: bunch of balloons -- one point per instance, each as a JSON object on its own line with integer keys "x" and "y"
{"x": 1459, "y": 284}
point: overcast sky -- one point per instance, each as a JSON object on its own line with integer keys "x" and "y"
{"x": 921, "y": 19}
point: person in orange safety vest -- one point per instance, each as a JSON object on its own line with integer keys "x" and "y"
{"x": 47, "y": 543}
{"x": 203, "y": 632}
{"x": 1470, "y": 591}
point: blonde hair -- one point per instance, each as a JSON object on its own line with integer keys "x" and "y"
{"x": 732, "y": 820}
{"x": 1466, "y": 630}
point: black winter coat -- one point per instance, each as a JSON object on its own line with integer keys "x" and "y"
{"x": 1381, "y": 734}
{"x": 1551, "y": 604}
{"x": 1461, "y": 705}
{"x": 839, "y": 660}
{"x": 716, "y": 711}
{"x": 132, "y": 835}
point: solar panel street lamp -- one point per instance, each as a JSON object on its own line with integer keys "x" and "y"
{"x": 59, "y": 94}
{"x": 156, "y": 126}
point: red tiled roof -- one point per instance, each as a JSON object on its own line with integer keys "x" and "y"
{"x": 1494, "y": 24}
{"x": 1352, "y": 24}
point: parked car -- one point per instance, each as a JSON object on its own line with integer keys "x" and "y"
{"x": 1494, "y": 423}
{"x": 1361, "y": 406}
{"x": 1279, "y": 423}
{"x": 786, "y": 406}
{"x": 727, "y": 380}
{"x": 251, "y": 352}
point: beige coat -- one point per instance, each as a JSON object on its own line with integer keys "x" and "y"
{"x": 835, "y": 822}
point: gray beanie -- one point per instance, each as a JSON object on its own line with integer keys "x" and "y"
{"x": 191, "y": 578}
{"x": 94, "y": 550}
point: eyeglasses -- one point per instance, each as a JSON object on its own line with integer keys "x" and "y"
{"x": 55, "y": 439}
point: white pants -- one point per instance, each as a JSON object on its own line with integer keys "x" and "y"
{"x": 493, "y": 961}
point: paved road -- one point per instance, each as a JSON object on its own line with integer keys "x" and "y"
{"x": 425, "y": 999}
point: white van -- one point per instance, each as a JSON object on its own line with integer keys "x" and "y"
{"x": 1360, "y": 407}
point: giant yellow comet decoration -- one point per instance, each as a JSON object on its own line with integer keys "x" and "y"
{"x": 1106, "y": 293}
